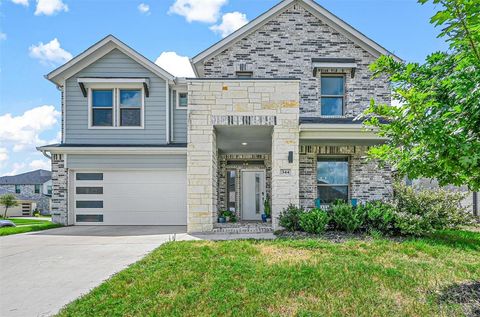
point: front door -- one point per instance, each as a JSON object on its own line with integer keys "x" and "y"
{"x": 253, "y": 194}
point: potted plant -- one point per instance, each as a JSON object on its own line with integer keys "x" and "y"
{"x": 267, "y": 212}
{"x": 221, "y": 217}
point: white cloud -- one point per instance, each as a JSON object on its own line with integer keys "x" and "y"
{"x": 40, "y": 164}
{"x": 144, "y": 8}
{"x": 175, "y": 64}
{"x": 50, "y": 7}
{"x": 50, "y": 53}
{"x": 17, "y": 168}
{"x": 23, "y": 132}
{"x": 198, "y": 10}
{"x": 230, "y": 23}
{"x": 21, "y": 2}
{"x": 3, "y": 156}
{"x": 3, "y": 36}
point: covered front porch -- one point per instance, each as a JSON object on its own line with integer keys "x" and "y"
{"x": 242, "y": 151}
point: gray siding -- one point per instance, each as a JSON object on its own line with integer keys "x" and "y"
{"x": 126, "y": 161}
{"x": 115, "y": 64}
{"x": 179, "y": 121}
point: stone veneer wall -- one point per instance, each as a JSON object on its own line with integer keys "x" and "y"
{"x": 222, "y": 176}
{"x": 368, "y": 180}
{"x": 239, "y": 102}
{"x": 28, "y": 191}
{"x": 59, "y": 190}
{"x": 284, "y": 47}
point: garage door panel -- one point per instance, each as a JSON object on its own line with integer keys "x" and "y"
{"x": 156, "y": 197}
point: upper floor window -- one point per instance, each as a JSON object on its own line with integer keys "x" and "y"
{"x": 17, "y": 189}
{"x": 130, "y": 107}
{"x": 182, "y": 100}
{"x": 49, "y": 189}
{"x": 37, "y": 189}
{"x": 116, "y": 107}
{"x": 332, "y": 95}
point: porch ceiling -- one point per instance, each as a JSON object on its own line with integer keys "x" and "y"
{"x": 258, "y": 139}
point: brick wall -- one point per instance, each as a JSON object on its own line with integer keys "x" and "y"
{"x": 285, "y": 46}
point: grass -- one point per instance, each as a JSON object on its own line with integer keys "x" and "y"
{"x": 28, "y": 225}
{"x": 290, "y": 278}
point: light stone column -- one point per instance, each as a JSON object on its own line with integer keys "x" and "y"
{"x": 59, "y": 190}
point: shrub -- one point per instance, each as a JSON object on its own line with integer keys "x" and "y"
{"x": 421, "y": 212}
{"x": 347, "y": 218}
{"x": 379, "y": 216}
{"x": 290, "y": 218}
{"x": 314, "y": 221}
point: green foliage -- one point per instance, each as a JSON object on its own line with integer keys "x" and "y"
{"x": 379, "y": 216}
{"x": 8, "y": 201}
{"x": 435, "y": 132}
{"x": 266, "y": 207}
{"x": 347, "y": 218}
{"x": 421, "y": 212}
{"x": 290, "y": 218}
{"x": 230, "y": 214}
{"x": 314, "y": 221}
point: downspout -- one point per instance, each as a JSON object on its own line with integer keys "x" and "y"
{"x": 167, "y": 113}
{"x": 44, "y": 152}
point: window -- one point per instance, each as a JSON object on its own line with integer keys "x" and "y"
{"x": 17, "y": 189}
{"x": 332, "y": 179}
{"x": 89, "y": 176}
{"x": 332, "y": 95}
{"x": 89, "y": 204}
{"x": 89, "y": 218}
{"x": 244, "y": 74}
{"x": 89, "y": 190}
{"x": 116, "y": 108}
{"x": 49, "y": 189}
{"x": 102, "y": 108}
{"x": 37, "y": 189}
{"x": 182, "y": 100}
{"x": 130, "y": 108}
{"x": 231, "y": 190}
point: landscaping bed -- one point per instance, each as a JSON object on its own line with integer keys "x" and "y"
{"x": 27, "y": 225}
{"x": 285, "y": 277}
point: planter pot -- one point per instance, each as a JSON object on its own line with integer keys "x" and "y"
{"x": 222, "y": 220}
{"x": 264, "y": 218}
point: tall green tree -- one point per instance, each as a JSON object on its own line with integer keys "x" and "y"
{"x": 7, "y": 201}
{"x": 435, "y": 131}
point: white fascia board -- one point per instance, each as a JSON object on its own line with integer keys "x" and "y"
{"x": 110, "y": 42}
{"x": 113, "y": 150}
{"x": 338, "y": 132}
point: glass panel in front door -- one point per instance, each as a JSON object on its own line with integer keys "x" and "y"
{"x": 257, "y": 193}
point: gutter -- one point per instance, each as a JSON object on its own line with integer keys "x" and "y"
{"x": 112, "y": 150}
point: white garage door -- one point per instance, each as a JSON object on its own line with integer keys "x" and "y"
{"x": 155, "y": 197}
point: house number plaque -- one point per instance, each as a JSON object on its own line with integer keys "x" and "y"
{"x": 285, "y": 172}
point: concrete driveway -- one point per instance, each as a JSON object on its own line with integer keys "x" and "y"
{"x": 40, "y": 272}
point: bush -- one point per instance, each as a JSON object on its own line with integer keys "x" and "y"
{"x": 421, "y": 212}
{"x": 379, "y": 216}
{"x": 347, "y": 218}
{"x": 290, "y": 218}
{"x": 314, "y": 221}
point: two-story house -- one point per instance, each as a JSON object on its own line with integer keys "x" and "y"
{"x": 32, "y": 190}
{"x": 270, "y": 115}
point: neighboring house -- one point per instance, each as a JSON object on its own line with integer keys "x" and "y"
{"x": 34, "y": 188}
{"x": 25, "y": 205}
{"x": 270, "y": 114}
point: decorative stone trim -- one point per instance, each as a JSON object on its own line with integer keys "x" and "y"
{"x": 245, "y": 120}
{"x": 59, "y": 190}
{"x": 332, "y": 150}
{"x": 243, "y": 227}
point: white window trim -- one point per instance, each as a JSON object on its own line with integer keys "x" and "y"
{"x": 349, "y": 172}
{"x": 116, "y": 106}
{"x": 344, "y": 96}
{"x": 177, "y": 101}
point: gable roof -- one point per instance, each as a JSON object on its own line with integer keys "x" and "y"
{"x": 29, "y": 178}
{"x": 323, "y": 14}
{"x": 96, "y": 51}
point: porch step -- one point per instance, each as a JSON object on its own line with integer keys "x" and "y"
{"x": 243, "y": 228}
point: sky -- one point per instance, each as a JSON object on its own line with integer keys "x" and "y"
{"x": 37, "y": 36}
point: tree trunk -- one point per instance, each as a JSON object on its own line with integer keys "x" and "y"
{"x": 5, "y": 214}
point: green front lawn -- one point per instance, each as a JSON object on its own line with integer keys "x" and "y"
{"x": 291, "y": 278}
{"x": 28, "y": 225}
